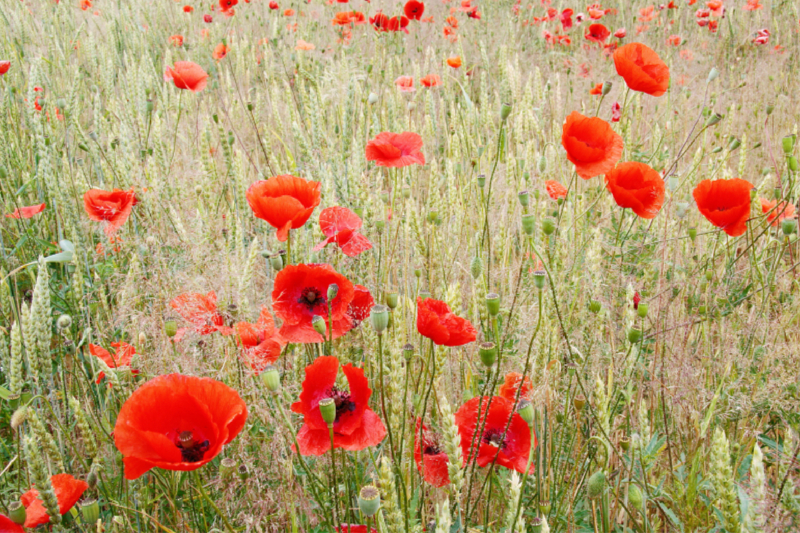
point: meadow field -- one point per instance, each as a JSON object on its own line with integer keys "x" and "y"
{"x": 451, "y": 266}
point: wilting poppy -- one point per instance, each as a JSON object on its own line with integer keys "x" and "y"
{"x": 301, "y": 291}
{"x": 285, "y": 202}
{"x": 395, "y": 149}
{"x": 360, "y": 305}
{"x": 353, "y": 528}
{"x": 176, "y": 40}
{"x": 592, "y": 146}
{"x": 434, "y": 468}
{"x": 28, "y": 211}
{"x": 260, "y": 342}
{"x": 201, "y": 311}
{"x": 356, "y": 426}
{"x": 187, "y": 75}
{"x": 725, "y": 203}
{"x": 513, "y": 382}
{"x": 340, "y": 226}
{"x": 113, "y": 207}
{"x": 512, "y": 451}
{"x": 454, "y": 62}
{"x": 4, "y": 66}
{"x": 597, "y": 33}
{"x": 638, "y": 187}
{"x": 68, "y": 491}
{"x": 177, "y": 422}
{"x": 122, "y": 357}
{"x": 220, "y": 51}
{"x": 9, "y": 526}
{"x": 405, "y": 84}
{"x": 414, "y": 9}
{"x": 436, "y": 322}
{"x": 555, "y": 190}
{"x": 431, "y": 80}
{"x": 783, "y": 211}
{"x": 642, "y": 69}
{"x": 303, "y": 45}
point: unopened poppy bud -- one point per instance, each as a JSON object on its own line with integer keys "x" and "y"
{"x": 713, "y": 74}
{"x": 379, "y": 318}
{"x": 319, "y": 325}
{"x": 548, "y": 226}
{"x": 791, "y": 162}
{"x": 327, "y": 408}
{"x": 524, "y": 198}
{"x": 596, "y": 485}
{"x": 770, "y": 109}
{"x": 692, "y": 233}
{"x": 709, "y": 275}
{"x": 390, "y": 297}
{"x": 635, "y": 497}
{"x": 408, "y": 351}
{"x": 19, "y": 417}
{"x": 734, "y": 144}
{"x": 276, "y": 261}
{"x": 607, "y": 85}
{"x": 243, "y": 471}
{"x": 91, "y": 479}
{"x": 142, "y": 338}
{"x": 333, "y": 290}
{"x": 488, "y": 353}
{"x": 789, "y": 226}
{"x": 539, "y": 278}
{"x": 369, "y": 500}
{"x": 634, "y": 335}
{"x": 681, "y": 208}
{"x": 525, "y": 410}
{"x": 579, "y": 402}
{"x": 227, "y": 468}
{"x": 64, "y": 322}
{"x": 417, "y": 272}
{"x": 642, "y": 310}
{"x": 528, "y": 224}
{"x": 271, "y": 378}
{"x": 481, "y": 181}
{"x": 594, "y": 306}
{"x": 541, "y": 166}
{"x": 372, "y": 98}
{"x": 625, "y": 443}
{"x": 493, "y": 303}
{"x": 170, "y": 328}
{"x": 90, "y": 512}
{"x": 17, "y": 513}
{"x": 148, "y": 106}
{"x": 476, "y": 267}
{"x": 505, "y": 111}
{"x": 712, "y": 119}
{"x": 788, "y": 144}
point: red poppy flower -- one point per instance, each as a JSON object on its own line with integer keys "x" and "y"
{"x": 27, "y": 211}
{"x": 186, "y": 9}
{"x": 620, "y": 33}
{"x": 273, "y": 5}
{"x": 436, "y": 322}
{"x": 638, "y": 187}
{"x": 395, "y": 149}
{"x": 201, "y": 311}
{"x": 454, "y": 62}
{"x": 397, "y": 24}
{"x": 356, "y": 426}
{"x": 597, "y": 33}
{"x": 353, "y": 528}
{"x": 361, "y": 305}
{"x": 596, "y": 90}
{"x": 9, "y": 526}
{"x": 431, "y": 80}
{"x": 414, "y": 9}
{"x": 225, "y": 5}
{"x": 122, "y": 358}
{"x": 112, "y": 207}
{"x": 566, "y": 19}
{"x": 592, "y": 146}
{"x": 380, "y": 21}
{"x": 68, "y": 491}
{"x": 725, "y": 203}
{"x": 642, "y": 69}
{"x": 4, "y": 66}
{"x": 260, "y": 342}
{"x": 176, "y": 40}
{"x": 208, "y": 19}
{"x": 513, "y": 449}
{"x": 434, "y": 469}
{"x": 340, "y": 226}
{"x": 301, "y": 292}
{"x": 187, "y": 75}
{"x": 512, "y": 383}
{"x": 555, "y": 190}
{"x": 220, "y": 51}
{"x": 785, "y": 210}
{"x": 177, "y": 422}
{"x": 405, "y": 84}
{"x": 285, "y": 202}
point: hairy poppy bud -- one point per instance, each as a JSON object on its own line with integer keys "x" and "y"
{"x": 493, "y": 303}
{"x": 734, "y": 144}
{"x": 692, "y": 233}
{"x": 319, "y": 325}
{"x": 17, "y": 513}
{"x": 333, "y": 290}
{"x": 369, "y": 500}
{"x": 481, "y": 181}
{"x": 541, "y": 166}
{"x": 788, "y": 144}
{"x": 642, "y": 310}
{"x": 596, "y": 485}
{"x": 579, "y": 402}
{"x": 408, "y": 351}
{"x": 390, "y": 297}
{"x": 607, "y": 85}
{"x": 713, "y": 74}
{"x": 476, "y": 267}
{"x": 90, "y": 511}
{"x": 276, "y": 261}
{"x": 19, "y": 417}
{"x": 634, "y": 335}
{"x": 488, "y": 353}
{"x": 170, "y": 328}
{"x": 539, "y": 278}
{"x": 379, "y": 318}
{"x": 528, "y": 224}
{"x": 635, "y": 497}
{"x": 791, "y": 162}
{"x": 594, "y": 306}
{"x": 227, "y": 468}
{"x": 525, "y": 410}
{"x": 524, "y": 198}
{"x": 548, "y": 226}
{"x": 505, "y": 111}
{"x": 64, "y": 322}
{"x": 789, "y": 226}
{"x": 327, "y": 407}
{"x": 271, "y": 378}
{"x": 372, "y": 98}
{"x": 713, "y": 119}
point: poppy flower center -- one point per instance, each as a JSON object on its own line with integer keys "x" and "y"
{"x": 341, "y": 398}
{"x": 192, "y": 450}
{"x": 495, "y": 438}
{"x": 432, "y": 448}
{"x": 311, "y": 297}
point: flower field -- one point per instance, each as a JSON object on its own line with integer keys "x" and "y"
{"x": 350, "y": 266}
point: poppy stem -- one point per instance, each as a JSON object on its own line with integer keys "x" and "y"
{"x": 213, "y": 505}
{"x": 177, "y": 122}
{"x": 334, "y": 484}
{"x": 524, "y": 478}
{"x": 383, "y": 396}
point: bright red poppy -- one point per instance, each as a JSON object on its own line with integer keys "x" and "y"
{"x": 186, "y": 9}
{"x": 177, "y": 422}
{"x": 340, "y": 226}
{"x": 596, "y": 90}
{"x": 225, "y": 5}
{"x": 220, "y": 51}
{"x": 784, "y": 211}
{"x": 638, "y": 187}
{"x": 208, "y": 19}
{"x": 512, "y": 384}
{"x": 187, "y": 75}
{"x": 356, "y": 426}
{"x": 591, "y": 144}
{"x": 597, "y": 33}
{"x": 301, "y": 292}
{"x": 414, "y": 9}
{"x": 555, "y": 190}
{"x": 4, "y": 66}
{"x": 397, "y": 24}
{"x": 512, "y": 451}
{"x": 434, "y": 469}
{"x": 201, "y": 311}
{"x": 176, "y": 40}
{"x": 436, "y": 322}
{"x": 380, "y": 21}
{"x": 642, "y": 69}
{"x": 353, "y": 528}
{"x": 395, "y": 149}
{"x": 9, "y": 526}
{"x": 113, "y": 207}
{"x": 431, "y": 80}
{"x": 725, "y": 203}
{"x": 27, "y": 211}
{"x": 285, "y": 202}
{"x": 361, "y": 305}
{"x": 122, "y": 357}
{"x": 346, "y": 18}
{"x": 454, "y": 62}
{"x": 68, "y": 491}
{"x": 261, "y": 344}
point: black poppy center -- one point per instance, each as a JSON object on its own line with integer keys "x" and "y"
{"x": 341, "y": 398}
{"x": 495, "y": 438}
{"x": 311, "y": 297}
{"x": 192, "y": 450}
{"x": 432, "y": 449}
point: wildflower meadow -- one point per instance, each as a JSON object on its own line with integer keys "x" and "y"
{"x": 451, "y": 266}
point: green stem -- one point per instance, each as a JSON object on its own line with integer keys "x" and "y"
{"x": 202, "y": 490}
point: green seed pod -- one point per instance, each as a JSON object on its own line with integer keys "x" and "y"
{"x": 319, "y": 325}
{"x": 524, "y": 198}
{"x": 791, "y": 162}
{"x": 692, "y": 233}
{"x": 170, "y": 328}
{"x": 539, "y": 279}
{"x": 548, "y": 226}
{"x": 537, "y": 524}
{"x": 788, "y": 144}
{"x": 276, "y": 261}
{"x": 596, "y": 485}
{"x": 379, "y": 318}
{"x": 390, "y": 297}
{"x": 493, "y": 303}
{"x": 634, "y": 335}
{"x": 333, "y": 291}
{"x": 635, "y": 497}
{"x": 642, "y": 310}
{"x": 625, "y": 443}
{"x": 594, "y": 306}
{"x": 17, "y": 513}
{"x": 505, "y": 111}
{"x": 607, "y": 86}
{"x": 789, "y": 226}
{"x": 408, "y": 351}
{"x": 709, "y": 275}
{"x": 227, "y": 468}
{"x": 713, "y": 119}
{"x": 271, "y": 378}
{"x": 327, "y": 407}
{"x": 488, "y": 353}
{"x": 64, "y": 322}
{"x": 579, "y": 402}
{"x": 369, "y": 500}
{"x": 90, "y": 512}
{"x": 528, "y": 224}
{"x": 244, "y": 472}
{"x": 481, "y": 181}
{"x": 525, "y": 410}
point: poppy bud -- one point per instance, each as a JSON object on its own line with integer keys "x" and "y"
{"x": 505, "y": 110}
{"x": 379, "y": 225}
{"x": 770, "y": 109}
{"x": 607, "y": 85}
{"x": 642, "y": 310}
{"x": 17, "y": 513}
{"x": 148, "y": 105}
{"x": 541, "y": 166}
{"x": 791, "y": 162}
{"x": 713, "y": 118}
{"x": 276, "y": 261}
{"x": 64, "y": 322}
{"x": 170, "y": 328}
{"x": 90, "y": 511}
{"x": 539, "y": 277}
{"x": 91, "y": 479}
{"x": 372, "y": 98}
{"x": 408, "y": 351}
{"x": 634, "y": 335}
{"x": 713, "y": 74}
{"x": 493, "y": 303}
{"x": 475, "y": 267}
{"x": 488, "y": 353}
{"x": 594, "y": 306}
{"x": 227, "y": 467}
{"x": 243, "y": 471}
{"x": 379, "y": 318}
{"x": 596, "y": 485}
{"x": 369, "y": 500}
{"x": 327, "y": 408}
{"x": 789, "y": 226}
{"x": 481, "y": 181}
{"x": 417, "y": 272}
{"x": 625, "y": 443}
{"x": 528, "y": 224}
{"x": 333, "y": 290}
{"x": 271, "y": 378}
{"x": 692, "y": 233}
{"x": 525, "y": 410}
{"x": 734, "y": 144}
{"x": 548, "y": 226}
{"x": 635, "y": 497}
{"x": 319, "y": 325}
{"x": 788, "y": 144}
{"x": 709, "y": 275}
{"x": 19, "y": 417}
{"x": 579, "y": 402}
{"x": 524, "y": 198}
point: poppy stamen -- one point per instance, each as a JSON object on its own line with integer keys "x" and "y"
{"x": 342, "y": 400}
{"x": 494, "y": 437}
{"x": 311, "y": 297}
{"x": 192, "y": 450}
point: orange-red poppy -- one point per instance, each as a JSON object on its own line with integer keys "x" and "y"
{"x": 591, "y": 144}
{"x": 288, "y": 13}
{"x": 186, "y": 9}
{"x": 596, "y": 90}
{"x": 346, "y": 18}
{"x": 340, "y": 226}
{"x": 86, "y": 5}
{"x": 220, "y": 51}
{"x": 285, "y": 202}
{"x": 187, "y": 75}
{"x": 405, "y": 84}
{"x": 427, "y": 446}
{"x": 638, "y": 187}
{"x": 597, "y": 33}
{"x": 177, "y": 422}
{"x": 261, "y": 343}
{"x": 414, "y": 9}
{"x": 200, "y": 310}
{"x": 555, "y": 190}
{"x": 303, "y": 45}
{"x": 725, "y": 203}
{"x": 28, "y": 211}
{"x": 176, "y": 40}
{"x": 225, "y": 5}
{"x": 113, "y": 207}
{"x": 454, "y": 62}
{"x": 513, "y": 382}
{"x": 431, "y": 80}
{"x": 642, "y": 69}
{"x": 4, "y": 66}
{"x": 9, "y": 526}
{"x": 395, "y": 149}
{"x": 123, "y": 356}
{"x": 437, "y": 322}
{"x": 68, "y": 491}
{"x": 775, "y": 213}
